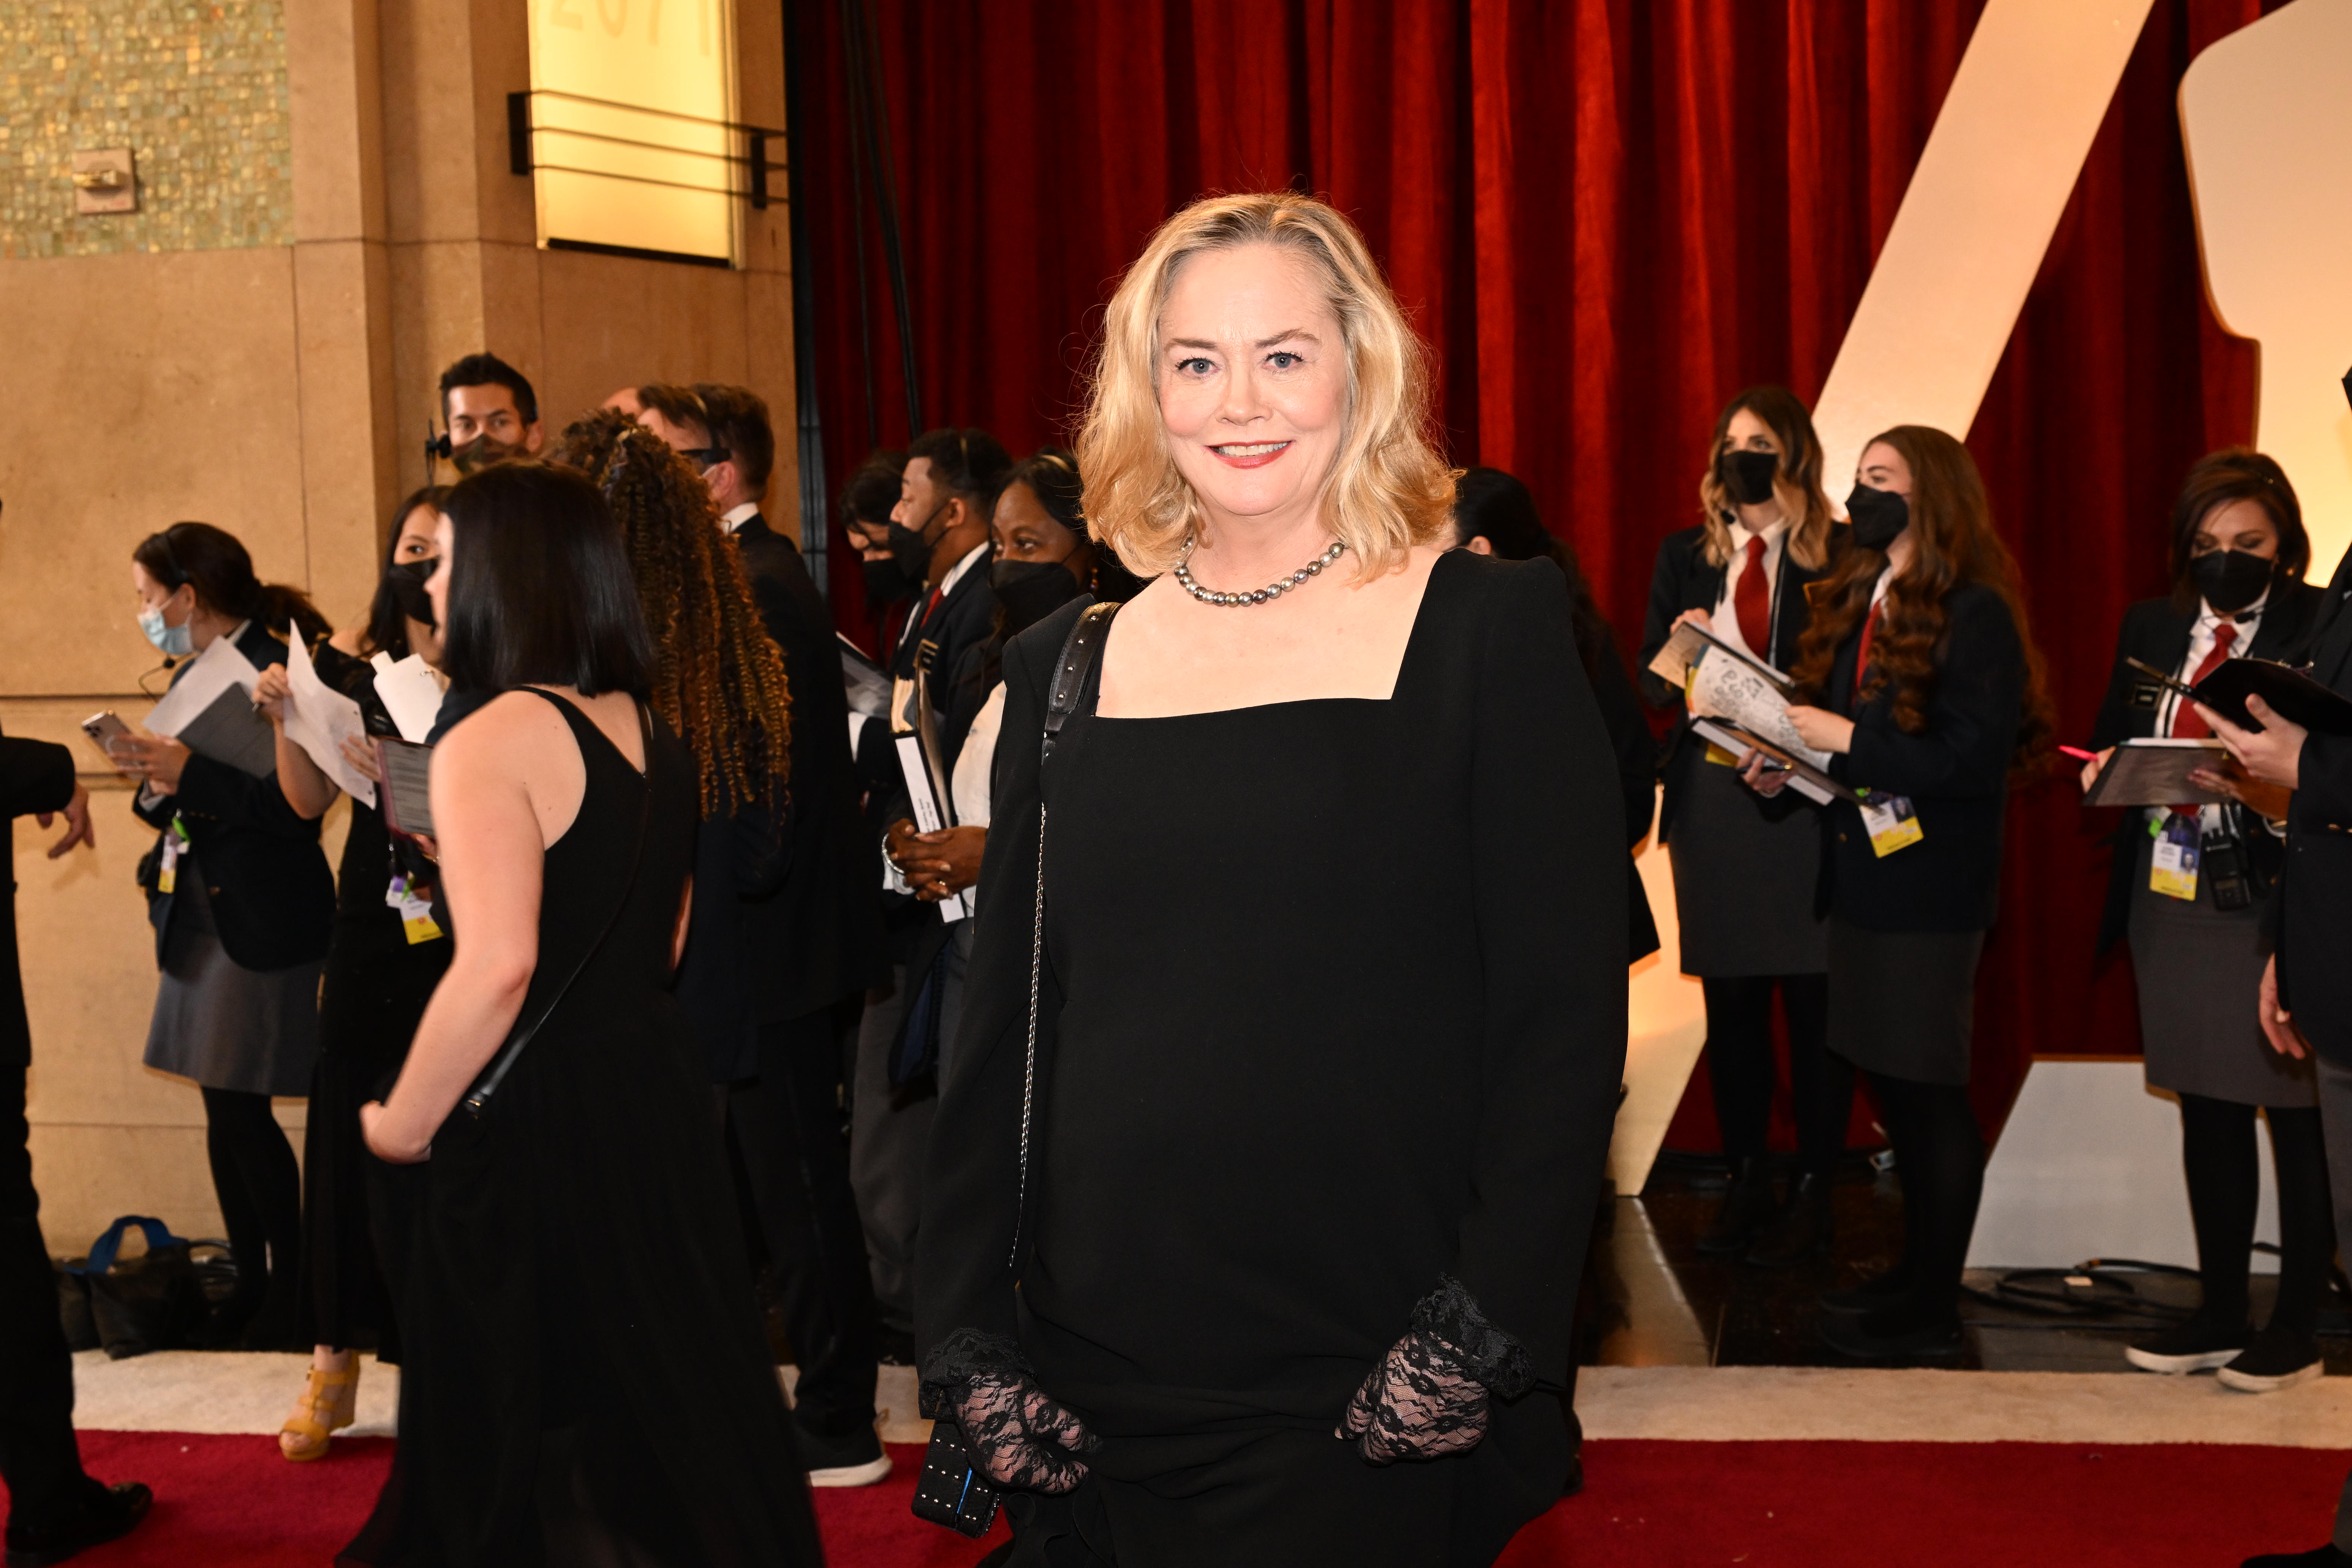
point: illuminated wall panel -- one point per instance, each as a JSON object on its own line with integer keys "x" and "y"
{"x": 609, "y": 173}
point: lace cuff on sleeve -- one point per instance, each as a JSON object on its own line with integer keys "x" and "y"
{"x": 963, "y": 1358}
{"x": 1496, "y": 1359}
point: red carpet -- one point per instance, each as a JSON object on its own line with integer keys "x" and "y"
{"x": 231, "y": 1500}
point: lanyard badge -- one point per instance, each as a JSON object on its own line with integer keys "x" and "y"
{"x": 1892, "y": 823}
{"x": 2172, "y": 867}
{"x": 416, "y": 906}
{"x": 175, "y": 844}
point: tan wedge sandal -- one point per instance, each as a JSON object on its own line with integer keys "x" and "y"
{"x": 328, "y": 1404}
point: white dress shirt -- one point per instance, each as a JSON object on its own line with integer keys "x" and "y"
{"x": 736, "y": 517}
{"x": 2200, "y": 644}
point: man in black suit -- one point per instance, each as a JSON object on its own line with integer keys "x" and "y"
{"x": 55, "y": 1510}
{"x": 939, "y": 536}
{"x": 805, "y": 954}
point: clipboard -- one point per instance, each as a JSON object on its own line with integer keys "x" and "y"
{"x": 917, "y": 736}
{"x": 407, "y": 793}
{"x": 1804, "y": 777}
{"x": 2155, "y": 772}
{"x": 2291, "y": 692}
{"x": 1692, "y": 642}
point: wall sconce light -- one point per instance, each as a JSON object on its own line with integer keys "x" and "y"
{"x": 105, "y": 181}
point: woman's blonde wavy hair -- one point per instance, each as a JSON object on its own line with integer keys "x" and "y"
{"x": 1388, "y": 489}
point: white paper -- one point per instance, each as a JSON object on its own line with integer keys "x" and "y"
{"x": 410, "y": 693}
{"x": 926, "y": 813}
{"x": 319, "y": 719}
{"x": 215, "y": 669}
{"x": 1726, "y": 688}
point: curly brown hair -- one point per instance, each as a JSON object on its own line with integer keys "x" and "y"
{"x": 1952, "y": 543}
{"x": 720, "y": 683}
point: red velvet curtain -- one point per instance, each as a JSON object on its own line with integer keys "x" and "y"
{"x": 1607, "y": 215}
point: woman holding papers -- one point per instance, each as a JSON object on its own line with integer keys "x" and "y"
{"x": 386, "y": 956}
{"x": 1744, "y": 872}
{"x": 240, "y": 898}
{"x": 2190, "y": 886}
{"x": 1930, "y": 696}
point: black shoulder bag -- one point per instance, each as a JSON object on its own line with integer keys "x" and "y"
{"x": 478, "y": 1096}
{"x": 951, "y": 1490}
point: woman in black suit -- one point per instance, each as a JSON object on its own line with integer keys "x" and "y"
{"x": 1744, "y": 874}
{"x": 243, "y": 906}
{"x": 2239, "y": 555}
{"x": 1494, "y": 514}
{"x": 1930, "y": 694}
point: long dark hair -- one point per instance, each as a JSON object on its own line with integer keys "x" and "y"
{"x": 1492, "y": 505}
{"x": 212, "y": 561}
{"x": 718, "y": 681}
{"x": 2235, "y": 474}
{"x": 387, "y": 626}
{"x": 1952, "y": 543}
{"x": 540, "y": 590}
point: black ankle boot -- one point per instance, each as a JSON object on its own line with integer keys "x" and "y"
{"x": 1801, "y": 1231}
{"x": 1748, "y": 1206}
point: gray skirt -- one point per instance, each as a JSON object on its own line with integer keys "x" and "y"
{"x": 254, "y": 1030}
{"x": 2198, "y": 969}
{"x": 1744, "y": 883}
{"x": 1903, "y": 1004}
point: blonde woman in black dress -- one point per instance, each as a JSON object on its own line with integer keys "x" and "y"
{"x": 1332, "y": 1010}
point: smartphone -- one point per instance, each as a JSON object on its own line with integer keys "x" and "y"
{"x": 104, "y": 727}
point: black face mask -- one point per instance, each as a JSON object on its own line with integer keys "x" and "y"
{"x": 407, "y": 580}
{"x": 1747, "y": 476}
{"x": 1030, "y": 591}
{"x": 911, "y": 547}
{"x": 480, "y": 453}
{"x": 885, "y": 582}
{"x": 1878, "y": 516}
{"x": 2231, "y": 579}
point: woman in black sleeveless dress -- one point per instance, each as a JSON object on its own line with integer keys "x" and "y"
{"x": 587, "y": 1381}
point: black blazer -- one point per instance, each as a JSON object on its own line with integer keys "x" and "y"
{"x": 1682, "y": 580}
{"x": 35, "y": 776}
{"x": 2156, "y": 631}
{"x": 1956, "y": 775}
{"x": 273, "y": 898}
{"x": 819, "y": 937}
{"x": 2311, "y": 920}
{"x": 1637, "y": 782}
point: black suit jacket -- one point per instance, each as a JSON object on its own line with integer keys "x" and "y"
{"x": 2311, "y": 919}
{"x": 819, "y": 938}
{"x": 1955, "y": 774}
{"x": 1682, "y": 580}
{"x": 2156, "y": 631}
{"x": 34, "y": 775}
{"x": 273, "y": 898}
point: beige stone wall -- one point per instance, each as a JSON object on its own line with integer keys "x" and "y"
{"x": 276, "y": 381}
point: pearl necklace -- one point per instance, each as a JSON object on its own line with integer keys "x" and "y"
{"x": 1264, "y": 596}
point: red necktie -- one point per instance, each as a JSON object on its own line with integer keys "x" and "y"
{"x": 1862, "y": 655}
{"x": 929, "y": 606}
{"x": 1752, "y": 602}
{"x": 2188, "y": 724}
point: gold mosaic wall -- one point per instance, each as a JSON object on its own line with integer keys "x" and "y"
{"x": 196, "y": 88}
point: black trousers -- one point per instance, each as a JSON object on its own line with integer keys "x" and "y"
{"x": 787, "y": 1127}
{"x": 38, "y": 1458}
{"x": 1740, "y": 1069}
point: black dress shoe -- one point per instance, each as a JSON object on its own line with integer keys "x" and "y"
{"x": 2318, "y": 1557}
{"x": 1748, "y": 1207}
{"x": 852, "y": 1459}
{"x": 2197, "y": 1345}
{"x": 1801, "y": 1231}
{"x": 1878, "y": 1290}
{"x": 1888, "y": 1335}
{"x": 1574, "y": 1483}
{"x": 2278, "y": 1359}
{"x": 107, "y": 1514}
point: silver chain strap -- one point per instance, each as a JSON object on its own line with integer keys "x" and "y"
{"x": 1029, "y": 1064}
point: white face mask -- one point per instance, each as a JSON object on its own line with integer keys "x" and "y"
{"x": 172, "y": 642}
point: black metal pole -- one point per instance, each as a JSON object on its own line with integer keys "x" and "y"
{"x": 815, "y": 526}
